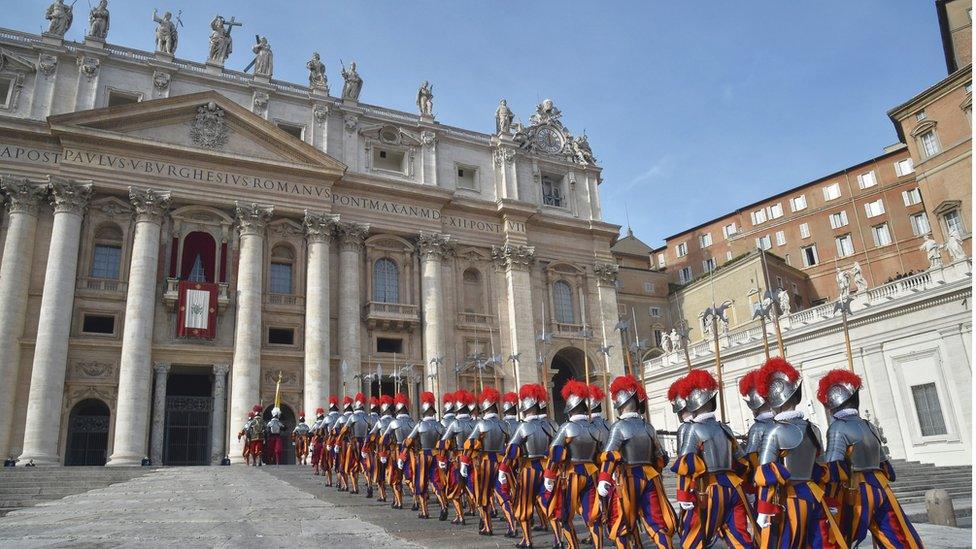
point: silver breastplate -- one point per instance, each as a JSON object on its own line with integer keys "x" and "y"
{"x": 359, "y": 425}
{"x": 462, "y": 428}
{"x": 715, "y": 443}
{"x": 274, "y": 426}
{"x": 535, "y": 438}
{"x": 447, "y": 420}
{"x": 302, "y": 429}
{"x": 401, "y": 428}
{"x": 492, "y": 433}
{"x": 513, "y": 425}
{"x": 429, "y": 432}
{"x": 756, "y": 434}
{"x": 867, "y": 454}
{"x": 632, "y": 439}
{"x": 577, "y": 436}
{"x": 601, "y": 431}
{"x": 801, "y": 442}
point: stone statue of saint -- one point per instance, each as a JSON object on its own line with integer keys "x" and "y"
{"x": 60, "y": 15}
{"x": 933, "y": 252}
{"x": 316, "y": 73}
{"x": 582, "y": 150}
{"x": 675, "y": 340}
{"x": 425, "y": 99}
{"x": 503, "y": 118}
{"x": 843, "y": 284}
{"x": 166, "y": 35}
{"x": 784, "y": 302}
{"x": 666, "y": 344}
{"x": 221, "y": 43}
{"x": 264, "y": 60}
{"x": 953, "y": 245}
{"x": 860, "y": 283}
{"x": 98, "y": 21}
{"x": 353, "y": 85}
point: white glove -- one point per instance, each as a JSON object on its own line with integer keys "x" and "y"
{"x": 502, "y": 477}
{"x": 383, "y": 460}
{"x": 364, "y": 454}
{"x": 464, "y": 470}
{"x": 328, "y": 448}
{"x": 687, "y": 505}
{"x": 549, "y": 484}
{"x": 763, "y": 520}
{"x": 399, "y": 464}
{"x": 603, "y": 488}
{"x": 833, "y": 510}
{"x": 442, "y": 464}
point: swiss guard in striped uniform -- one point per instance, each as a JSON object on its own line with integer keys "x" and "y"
{"x": 791, "y": 503}
{"x": 392, "y": 442}
{"x": 449, "y": 448}
{"x": 317, "y": 441}
{"x": 483, "y": 450}
{"x": 524, "y": 457}
{"x": 632, "y": 462}
{"x": 373, "y": 448}
{"x": 859, "y": 469}
{"x": 328, "y": 460}
{"x": 710, "y": 492}
{"x": 418, "y": 448}
{"x": 353, "y": 436}
{"x": 338, "y": 446}
{"x": 763, "y": 415}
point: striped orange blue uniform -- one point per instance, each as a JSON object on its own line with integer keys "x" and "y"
{"x": 803, "y": 519}
{"x": 721, "y": 509}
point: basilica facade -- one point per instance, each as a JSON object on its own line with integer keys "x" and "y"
{"x": 179, "y": 240}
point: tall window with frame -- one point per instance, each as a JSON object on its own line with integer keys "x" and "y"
{"x": 920, "y": 224}
{"x": 931, "y": 422}
{"x": 810, "y": 257}
{"x": 845, "y": 245}
{"x": 929, "y": 143}
{"x": 474, "y": 301}
{"x": 386, "y": 281}
{"x": 953, "y": 221}
{"x": 552, "y": 191}
{"x": 107, "y": 253}
{"x": 882, "y": 236}
{"x": 281, "y": 273}
{"x": 562, "y": 302}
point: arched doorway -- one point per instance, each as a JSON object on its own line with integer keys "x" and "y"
{"x": 88, "y": 433}
{"x": 568, "y": 364}
{"x": 288, "y": 447}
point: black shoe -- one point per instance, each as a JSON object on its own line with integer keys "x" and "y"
{"x": 494, "y": 513}
{"x": 511, "y": 534}
{"x": 369, "y": 492}
{"x": 414, "y": 507}
{"x": 538, "y": 528}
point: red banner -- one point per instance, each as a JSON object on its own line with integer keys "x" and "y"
{"x": 197, "y": 315}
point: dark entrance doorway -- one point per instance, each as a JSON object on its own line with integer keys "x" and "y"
{"x": 384, "y": 386}
{"x": 88, "y": 433}
{"x": 189, "y": 406}
{"x": 568, "y": 364}
{"x": 287, "y": 446}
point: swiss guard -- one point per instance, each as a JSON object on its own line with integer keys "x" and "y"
{"x": 328, "y": 460}
{"x": 338, "y": 445}
{"x": 763, "y": 416}
{"x": 300, "y": 438}
{"x": 380, "y": 460}
{"x": 419, "y": 448}
{"x": 274, "y": 440}
{"x": 245, "y": 434}
{"x": 859, "y": 469}
{"x": 255, "y": 436}
{"x": 353, "y": 436}
{"x": 449, "y": 450}
{"x": 483, "y": 450}
{"x": 392, "y": 443}
{"x": 317, "y": 441}
{"x": 632, "y": 462}
{"x": 791, "y": 503}
{"x": 711, "y": 493}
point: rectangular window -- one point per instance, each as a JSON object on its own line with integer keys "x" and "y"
{"x": 804, "y": 230}
{"x": 845, "y": 245}
{"x": 759, "y": 216}
{"x": 929, "y": 410}
{"x": 705, "y": 240}
{"x": 904, "y": 167}
{"x": 867, "y": 180}
{"x": 780, "y": 238}
{"x": 728, "y": 230}
{"x": 98, "y": 324}
{"x": 810, "y": 257}
{"x": 684, "y": 275}
{"x": 116, "y": 97}
{"x": 682, "y": 249}
{"x": 912, "y": 196}
{"x": 281, "y": 336}
{"x": 279, "y": 281}
{"x": 953, "y": 220}
{"x": 389, "y": 345}
{"x": 649, "y": 287}
{"x": 798, "y": 203}
{"x": 708, "y": 265}
{"x": 661, "y": 262}
{"x": 873, "y": 209}
{"x": 467, "y": 178}
{"x": 776, "y": 210}
{"x": 920, "y": 115}
{"x": 388, "y": 160}
{"x": 763, "y": 242}
{"x": 930, "y": 145}
{"x": 728, "y": 255}
{"x": 882, "y": 237}
{"x": 655, "y": 311}
{"x": 552, "y": 191}
{"x": 6, "y": 88}
{"x": 293, "y": 130}
{"x": 106, "y": 261}
{"x": 920, "y": 224}
{"x": 838, "y": 220}
{"x": 832, "y": 191}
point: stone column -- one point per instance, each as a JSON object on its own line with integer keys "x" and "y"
{"x": 219, "y": 420}
{"x": 54, "y": 321}
{"x": 158, "y": 430}
{"x": 352, "y": 236}
{"x": 517, "y": 261}
{"x": 433, "y": 249}
{"x": 25, "y": 197}
{"x": 319, "y": 228}
{"x": 132, "y": 412}
{"x": 606, "y": 290}
{"x": 246, "y": 373}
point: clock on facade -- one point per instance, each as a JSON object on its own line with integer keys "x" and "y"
{"x": 549, "y": 140}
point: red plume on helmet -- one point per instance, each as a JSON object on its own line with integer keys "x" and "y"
{"x": 836, "y": 377}
{"x": 773, "y": 366}
{"x": 373, "y": 402}
{"x": 250, "y": 414}
{"x": 596, "y": 392}
{"x": 333, "y": 400}
{"x": 676, "y": 389}
{"x": 301, "y": 414}
{"x": 386, "y": 399}
{"x": 627, "y": 383}
{"x": 490, "y": 394}
{"x": 257, "y": 408}
{"x": 510, "y": 398}
{"x": 748, "y": 382}
{"x": 401, "y": 398}
{"x": 575, "y": 388}
{"x": 360, "y": 397}
{"x": 448, "y": 397}
{"x": 464, "y": 397}
{"x": 319, "y": 411}
{"x": 700, "y": 379}
{"x": 346, "y": 400}
{"x": 533, "y": 390}
{"x": 428, "y": 398}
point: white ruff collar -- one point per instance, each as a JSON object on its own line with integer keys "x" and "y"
{"x": 628, "y": 415}
{"x": 579, "y": 417}
{"x": 788, "y": 415}
{"x": 765, "y": 415}
{"x": 489, "y": 416}
{"x": 704, "y": 417}
{"x": 846, "y": 412}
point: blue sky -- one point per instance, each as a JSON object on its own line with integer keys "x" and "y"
{"x": 693, "y": 108}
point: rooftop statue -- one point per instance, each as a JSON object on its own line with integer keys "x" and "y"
{"x": 353, "y": 84}
{"x": 264, "y": 59}
{"x": 221, "y": 43}
{"x": 166, "y": 34}
{"x": 425, "y": 99}
{"x": 60, "y": 15}
{"x": 98, "y": 20}
{"x": 503, "y": 118}
{"x": 932, "y": 251}
{"x": 317, "y": 78}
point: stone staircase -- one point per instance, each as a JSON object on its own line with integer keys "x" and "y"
{"x": 28, "y": 486}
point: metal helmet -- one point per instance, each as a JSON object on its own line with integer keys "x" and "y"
{"x": 510, "y": 403}
{"x": 837, "y": 388}
{"x": 623, "y": 390}
{"x": 575, "y": 394}
{"x": 677, "y": 395}
{"x": 359, "y": 401}
{"x": 750, "y": 392}
{"x": 488, "y": 398}
{"x": 777, "y": 382}
{"x": 700, "y": 388}
{"x": 531, "y": 395}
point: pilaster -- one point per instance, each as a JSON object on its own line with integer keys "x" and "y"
{"x": 319, "y": 229}
{"x": 161, "y": 370}
{"x": 351, "y": 239}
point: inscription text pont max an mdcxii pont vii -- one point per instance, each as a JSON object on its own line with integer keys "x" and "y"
{"x": 159, "y": 168}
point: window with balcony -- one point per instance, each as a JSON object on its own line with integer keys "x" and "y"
{"x": 107, "y": 254}
{"x": 832, "y": 191}
{"x": 474, "y": 301}
{"x": 562, "y": 302}
{"x": 920, "y": 224}
{"x": 882, "y": 236}
{"x": 552, "y": 191}
{"x": 874, "y": 209}
{"x": 281, "y": 272}
{"x": 838, "y": 219}
{"x": 798, "y": 203}
{"x": 386, "y": 281}
{"x": 199, "y": 257}
{"x": 845, "y": 245}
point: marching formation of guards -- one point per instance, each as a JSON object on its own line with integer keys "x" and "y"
{"x": 783, "y": 485}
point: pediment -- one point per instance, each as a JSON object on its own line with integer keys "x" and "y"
{"x": 14, "y": 62}
{"x": 205, "y": 123}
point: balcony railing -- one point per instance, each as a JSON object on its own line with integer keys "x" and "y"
{"x": 103, "y": 285}
{"x": 476, "y": 320}
{"x": 392, "y": 316}
{"x": 284, "y": 300}
{"x": 172, "y": 294}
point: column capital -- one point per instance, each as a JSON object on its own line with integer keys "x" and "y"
{"x": 606, "y": 273}
{"x": 320, "y": 227}
{"x": 352, "y": 235}
{"x": 252, "y": 217}
{"x": 149, "y": 205}
{"x": 161, "y": 368}
{"x": 69, "y": 196}
{"x": 25, "y": 196}
{"x": 434, "y": 245}
{"x": 221, "y": 369}
{"x": 516, "y": 257}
